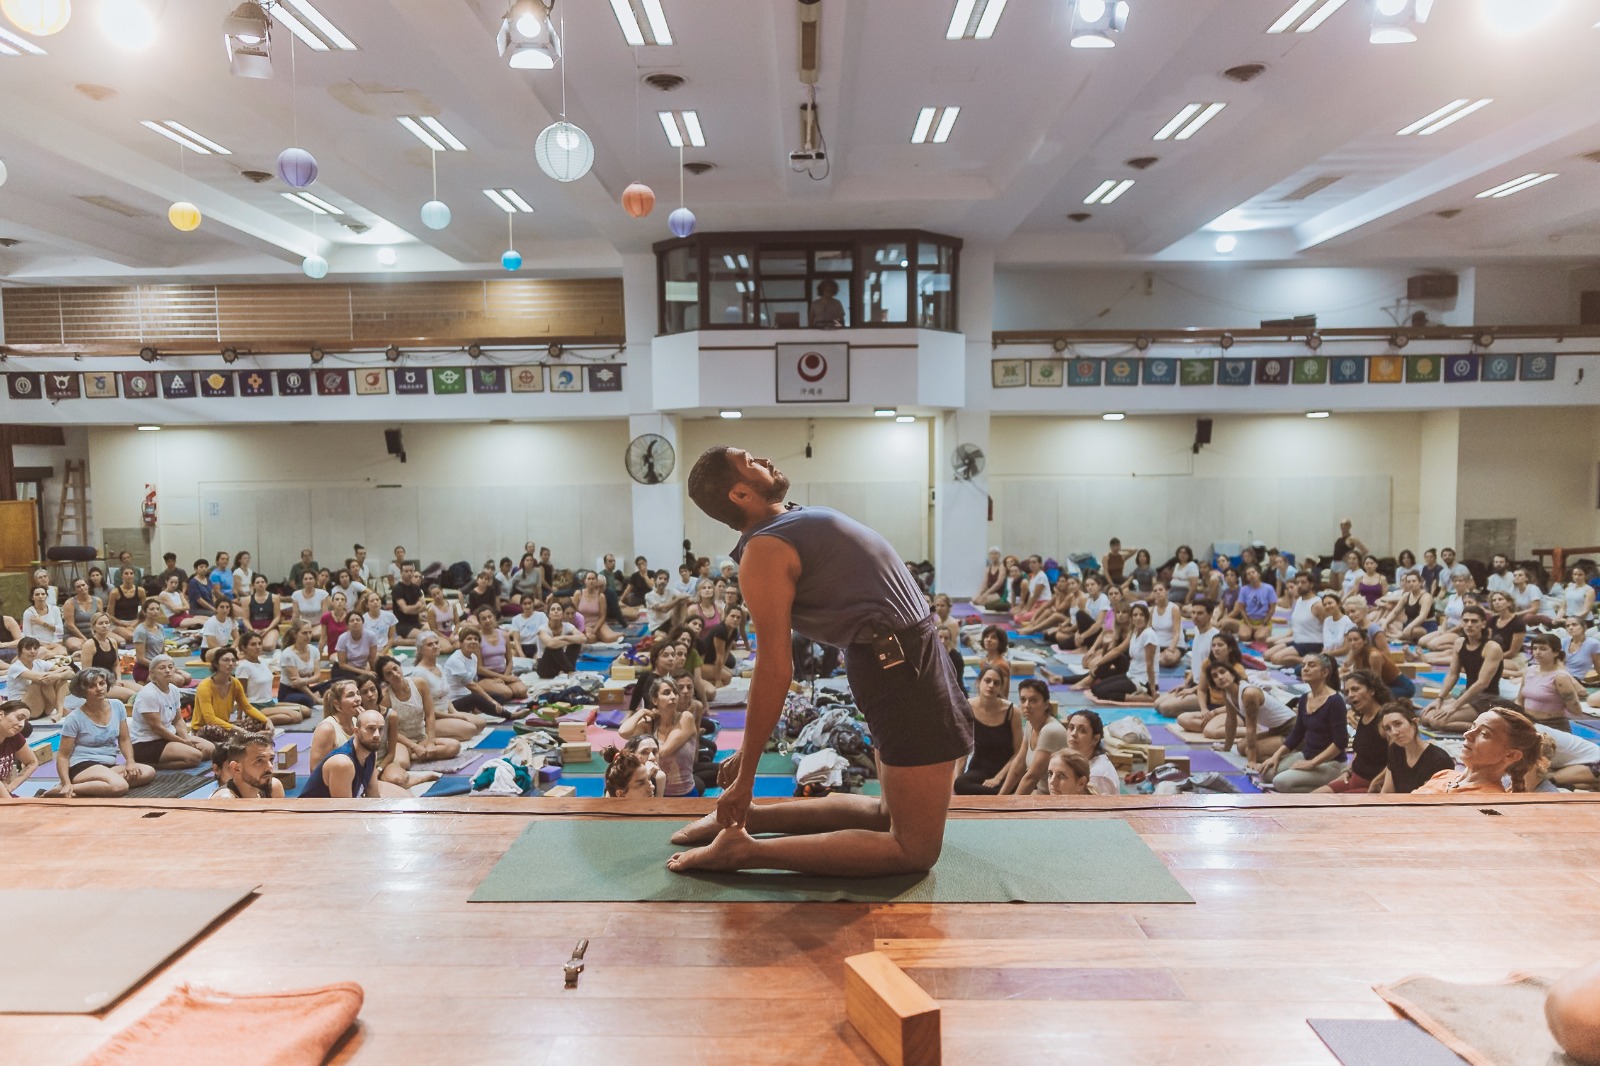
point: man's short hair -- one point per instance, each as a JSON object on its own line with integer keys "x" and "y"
{"x": 712, "y": 478}
{"x": 239, "y": 743}
{"x": 170, "y": 557}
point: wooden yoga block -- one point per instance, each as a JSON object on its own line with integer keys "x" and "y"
{"x": 1021, "y": 668}
{"x": 560, "y": 791}
{"x": 1180, "y": 761}
{"x": 621, "y": 671}
{"x": 612, "y": 696}
{"x": 1410, "y": 669}
{"x": 288, "y": 780}
{"x": 571, "y": 753}
{"x": 573, "y": 733}
{"x": 1120, "y": 759}
{"x": 891, "y": 1011}
{"x": 287, "y": 756}
{"x": 1154, "y": 756}
{"x": 1430, "y": 690}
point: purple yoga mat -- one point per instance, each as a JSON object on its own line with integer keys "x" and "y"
{"x": 1202, "y": 761}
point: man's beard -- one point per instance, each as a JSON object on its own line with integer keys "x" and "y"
{"x": 778, "y": 489}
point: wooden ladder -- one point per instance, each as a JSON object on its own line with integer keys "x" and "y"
{"x": 74, "y": 508}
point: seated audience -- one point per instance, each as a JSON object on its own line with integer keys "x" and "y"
{"x": 590, "y": 602}
{"x": 40, "y": 683}
{"x": 1507, "y": 629}
{"x": 256, "y": 677}
{"x": 414, "y": 730}
{"x": 1267, "y": 719}
{"x": 335, "y": 620}
{"x": 124, "y": 602}
{"x": 1580, "y": 649}
{"x": 77, "y": 615}
{"x": 1185, "y": 575}
{"x": 300, "y": 667}
{"x": 1363, "y": 651}
{"x": 42, "y": 621}
{"x": 1573, "y": 761}
{"x": 17, "y": 760}
{"x": 675, "y": 731}
{"x": 221, "y": 630}
{"x": 1365, "y": 694}
{"x": 249, "y": 760}
{"x": 175, "y": 605}
{"x": 441, "y": 615}
{"x": 92, "y": 738}
{"x": 262, "y": 609}
{"x": 1411, "y": 617}
{"x": 1166, "y": 618}
{"x": 103, "y": 650}
{"x": 665, "y": 607}
{"x": 308, "y": 602}
{"x": 1305, "y": 626}
{"x": 1440, "y": 644}
{"x": 1086, "y": 737}
{"x": 221, "y": 578}
{"x": 1042, "y": 735}
{"x": 220, "y": 700}
{"x": 997, "y": 735}
{"x": 1370, "y": 585}
{"x": 160, "y": 736}
{"x": 496, "y": 652}
{"x": 149, "y": 641}
{"x": 428, "y": 674}
{"x": 1549, "y": 695}
{"x": 1500, "y": 742}
{"x": 1313, "y": 753}
{"x": 1578, "y": 598}
{"x": 198, "y": 590}
{"x": 561, "y": 643}
{"x": 627, "y": 777}
{"x": 1201, "y": 705}
{"x": 357, "y": 650}
{"x": 349, "y": 771}
{"x": 340, "y": 705}
{"x": 1477, "y": 660}
{"x": 1410, "y": 759}
{"x": 1191, "y": 696}
{"x": 462, "y": 671}
{"x": 1254, "y": 609}
{"x": 716, "y": 650}
{"x": 1068, "y": 774}
{"x": 993, "y": 644}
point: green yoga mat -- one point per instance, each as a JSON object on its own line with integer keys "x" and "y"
{"x": 987, "y": 860}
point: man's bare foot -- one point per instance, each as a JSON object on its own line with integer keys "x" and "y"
{"x": 696, "y": 833}
{"x": 727, "y": 852}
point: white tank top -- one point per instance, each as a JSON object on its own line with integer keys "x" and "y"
{"x": 1274, "y": 712}
{"x": 1452, "y": 611}
{"x": 434, "y": 681}
{"x": 409, "y": 713}
{"x": 1162, "y": 622}
{"x": 1304, "y": 628}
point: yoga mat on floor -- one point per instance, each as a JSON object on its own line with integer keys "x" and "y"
{"x": 465, "y": 764}
{"x": 112, "y": 941}
{"x": 1496, "y": 1024}
{"x": 986, "y": 860}
{"x": 1388, "y": 1042}
{"x": 168, "y": 784}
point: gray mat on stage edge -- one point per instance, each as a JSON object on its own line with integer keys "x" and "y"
{"x": 107, "y": 942}
{"x": 1386, "y": 1042}
{"x": 985, "y": 860}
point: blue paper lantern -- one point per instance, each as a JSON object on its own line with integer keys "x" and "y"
{"x": 315, "y": 267}
{"x": 297, "y": 167}
{"x": 681, "y": 222}
{"x": 435, "y": 214}
{"x": 512, "y": 259}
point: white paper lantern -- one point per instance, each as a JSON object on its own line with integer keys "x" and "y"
{"x": 41, "y": 18}
{"x": 564, "y": 151}
{"x": 435, "y": 214}
{"x": 2, "y": 172}
{"x": 315, "y": 267}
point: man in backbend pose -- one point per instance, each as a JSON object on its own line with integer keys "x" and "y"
{"x": 833, "y": 580}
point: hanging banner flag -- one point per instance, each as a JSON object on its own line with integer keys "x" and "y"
{"x": 1386, "y": 369}
{"x": 606, "y": 377}
{"x": 294, "y": 383}
{"x": 488, "y": 379}
{"x": 1348, "y": 370}
{"x": 372, "y": 381}
{"x": 1083, "y": 373}
{"x": 1421, "y": 369}
{"x": 1460, "y": 368}
{"x": 410, "y": 381}
{"x": 1199, "y": 372}
{"x": 1311, "y": 370}
{"x": 1122, "y": 372}
{"x": 139, "y": 384}
{"x": 101, "y": 386}
{"x": 812, "y": 373}
{"x": 1003, "y": 374}
{"x": 1273, "y": 371}
{"x": 61, "y": 386}
{"x": 1160, "y": 371}
{"x": 255, "y": 383}
{"x": 25, "y": 386}
{"x": 1233, "y": 371}
{"x": 178, "y": 384}
{"x": 216, "y": 383}
{"x": 1539, "y": 367}
{"x": 333, "y": 382}
{"x": 1499, "y": 368}
{"x": 1045, "y": 373}
{"x": 565, "y": 379}
{"x": 449, "y": 380}
{"x": 527, "y": 379}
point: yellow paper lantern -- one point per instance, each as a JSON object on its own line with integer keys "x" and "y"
{"x": 184, "y": 216}
{"x": 41, "y": 18}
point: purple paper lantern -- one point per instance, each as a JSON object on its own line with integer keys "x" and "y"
{"x": 297, "y": 167}
{"x": 681, "y": 222}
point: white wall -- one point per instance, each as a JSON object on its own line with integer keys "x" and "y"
{"x": 1440, "y": 463}
{"x": 1524, "y": 295}
{"x": 1536, "y": 466}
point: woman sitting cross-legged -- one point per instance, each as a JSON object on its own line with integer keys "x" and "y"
{"x": 300, "y": 667}
{"x": 257, "y": 679}
{"x": 220, "y": 700}
{"x": 1500, "y": 742}
{"x": 1410, "y": 759}
{"x": 1365, "y": 652}
{"x": 17, "y": 760}
{"x": 462, "y": 670}
{"x": 160, "y": 736}
{"x": 410, "y": 707}
{"x": 1166, "y": 618}
{"x": 997, "y": 734}
{"x": 1224, "y": 649}
{"x": 429, "y": 674}
{"x": 1058, "y": 610}
{"x": 1550, "y": 695}
{"x": 1364, "y": 694}
{"x": 37, "y": 682}
{"x": 42, "y": 621}
{"x": 103, "y": 650}
{"x": 92, "y": 737}
{"x": 1313, "y": 753}
{"x": 496, "y": 652}
{"x": 1136, "y": 686}
{"x": 1267, "y": 719}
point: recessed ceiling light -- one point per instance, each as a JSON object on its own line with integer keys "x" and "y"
{"x": 731, "y": 414}
{"x": 12, "y": 44}
{"x": 1527, "y": 181}
{"x": 934, "y": 121}
{"x": 1450, "y": 113}
{"x": 149, "y": 429}
{"x": 903, "y": 419}
{"x": 974, "y": 20}
{"x": 1317, "y": 414}
{"x": 387, "y": 257}
{"x": 311, "y": 26}
{"x": 1113, "y": 416}
{"x": 1109, "y": 191}
{"x": 1226, "y": 244}
{"x": 431, "y": 132}
{"x": 682, "y": 128}
{"x": 1301, "y": 11}
{"x": 642, "y": 21}
{"x": 1188, "y": 122}
{"x": 177, "y": 131}
{"x": 884, "y": 412}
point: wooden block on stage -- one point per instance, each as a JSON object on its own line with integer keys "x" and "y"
{"x": 560, "y": 791}
{"x": 287, "y": 755}
{"x": 613, "y": 695}
{"x": 890, "y": 1011}
{"x": 573, "y": 732}
{"x": 571, "y": 753}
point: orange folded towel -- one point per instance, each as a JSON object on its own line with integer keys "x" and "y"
{"x": 202, "y": 1027}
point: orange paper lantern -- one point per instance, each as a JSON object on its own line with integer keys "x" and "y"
{"x": 638, "y": 199}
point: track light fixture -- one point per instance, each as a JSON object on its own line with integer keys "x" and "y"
{"x": 1096, "y": 23}
{"x": 230, "y": 355}
{"x": 1484, "y": 339}
{"x": 1059, "y": 344}
{"x": 1225, "y": 341}
{"x": 1313, "y": 340}
{"x": 148, "y": 354}
{"x": 316, "y": 355}
{"x": 475, "y": 351}
{"x": 1142, "y": 343}
{"x": 392, "y": 353}
{"x": 555, "y": 349}
{"x": 527, "y": 39}
{"x": 1397, "y": 21}
{"x": 248, "y": 34}
{"x": 1399, "y": 340}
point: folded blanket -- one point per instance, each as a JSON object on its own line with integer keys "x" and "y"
{"x": 1499, "y": 1023}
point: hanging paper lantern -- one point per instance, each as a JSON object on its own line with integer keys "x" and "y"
{"x": 184, "y": 216}
{"x": 681, "y": 222}
{"x": 638, "y": 199}
{"x": 297, "y": 167}
{"x": 512, "y": 259}
{"x": 315, "y": 267}
{"x": 38, "y": 17}
{"x": 564, "y": 151}
{"x": 435, "y": 214}
{"x": 2, "y": 172}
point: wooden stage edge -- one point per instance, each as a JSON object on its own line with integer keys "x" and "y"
{"x": 1302, "y": 904}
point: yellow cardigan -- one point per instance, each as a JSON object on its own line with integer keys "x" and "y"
{"x": 213, "y": 708}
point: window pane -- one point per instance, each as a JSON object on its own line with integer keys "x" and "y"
{"x": 732, "y": 285}
{"x": 830, "y": 303}
{"x": 835, "y": 260}
{"x": 886, "y": 280}
{"x": 680, "y": 309}
{"x": 783, "y": 262}
{"x": 935, "y": 302}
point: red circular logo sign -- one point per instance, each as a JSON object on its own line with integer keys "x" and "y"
{"x": 813, "y": 367}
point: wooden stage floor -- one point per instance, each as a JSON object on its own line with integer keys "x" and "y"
{"x": 1301, "y": 906}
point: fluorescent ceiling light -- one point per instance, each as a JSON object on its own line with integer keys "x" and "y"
{"x": 682, "y": 128}
{"x": 500, "y": 201}
{"x": 937, "y": 121}
{"x": 508, "y": 201}
{"x": 431, "y": 132}
{"x": 642, "y": 22}
{"x": 731, "y": 414}
{"x": 628, "y": 21}
{"x": 421, "y": 134}
{"x": 294, "y": 198}
{"x": 313, "y": 198}
{"x": 1452, "y": 118}
{"x": 1527, "y": 181}
{"x": 1308, "y": 10}
{"x": 974, "y": 20}
{"x": 959, "y": 19}
{"x": 1113, "y": 416}
{"x": 1108, "y": 191}
{"x": 12, "y": 44}
{"x": 522, "y": 205}
{"x": 1317, "y": 414}
{"x": 919, "y": 134}
{"x": 1189, "y": 121}
{"x": 300, "y": 30}
{"x": 149, "y": 429}
{"x": 884, "y": 412}
{"x": 330, "y": 33}
{"x": 905, "y": 418}
{"x": 443, "y": 134}
{"x": 181, "y": 134}
{"x": 990, "y": 17}
{"x": 658, "y": 21}
{"x": 941, "y": 132}
{"x": 1104, "y": 187}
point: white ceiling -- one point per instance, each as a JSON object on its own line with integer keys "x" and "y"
{"x": 1041, "y": 125}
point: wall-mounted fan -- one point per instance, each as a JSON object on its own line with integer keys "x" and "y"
{"x": 650, "y": 458}
{"x": 967, "y": 461}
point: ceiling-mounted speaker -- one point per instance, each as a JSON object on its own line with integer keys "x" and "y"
{"x": 810, "y": 41}
{"x": 1433, "y": 287}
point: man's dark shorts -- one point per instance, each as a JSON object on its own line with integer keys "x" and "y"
{"x": 917, "y": 712}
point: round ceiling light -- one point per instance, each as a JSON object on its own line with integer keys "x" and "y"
{"x": 40, "y": 18}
